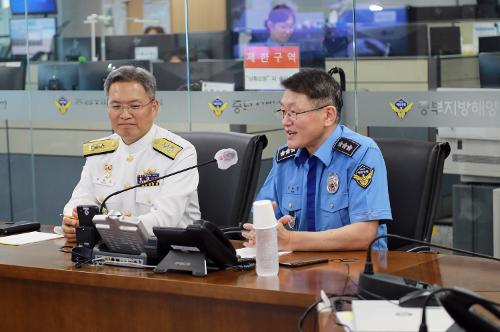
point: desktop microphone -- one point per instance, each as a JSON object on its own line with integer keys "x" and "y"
{"x": 381, "y": 285}
{"x": 225, "y": 158}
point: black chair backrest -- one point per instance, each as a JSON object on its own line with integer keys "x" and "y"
{"x": 226, "y": 196}
{"x": 414, "y": 171}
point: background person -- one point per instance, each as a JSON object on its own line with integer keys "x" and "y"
{"x": 280, "y": 24}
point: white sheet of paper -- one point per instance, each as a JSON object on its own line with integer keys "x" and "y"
{"x": 383, "y": 316}
{"x": 251, "y": 252}
{"x": 25, "y": 238}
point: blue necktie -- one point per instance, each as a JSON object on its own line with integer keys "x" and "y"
{"x": 311, "y": 195}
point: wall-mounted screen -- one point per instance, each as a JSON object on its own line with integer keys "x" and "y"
{"x": 34, "y": 7}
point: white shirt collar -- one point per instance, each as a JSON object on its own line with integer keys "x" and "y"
{"x": 143, "y": 142}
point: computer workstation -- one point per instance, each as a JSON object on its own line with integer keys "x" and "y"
{"x": 173, "y": 76}
{"x": 12, "y": 74}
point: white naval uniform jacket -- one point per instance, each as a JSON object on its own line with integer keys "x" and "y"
{"x": 172, "y": 203}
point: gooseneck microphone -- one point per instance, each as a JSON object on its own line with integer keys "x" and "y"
{"x": 393, "y": 287}
{"x": 225, "y": 158}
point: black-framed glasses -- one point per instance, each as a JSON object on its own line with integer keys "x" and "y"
{"x": 281, "y": 113}
{"x": 131, "y": 108}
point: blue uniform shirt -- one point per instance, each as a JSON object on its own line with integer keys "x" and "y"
{"x": 351, "y": 183}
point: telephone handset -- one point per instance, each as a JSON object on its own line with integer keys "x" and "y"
{"x": 200, "y": 238}
{"x": 458, "y": 303}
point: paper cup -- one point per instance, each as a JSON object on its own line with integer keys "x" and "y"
{"x": 263, "y": 215}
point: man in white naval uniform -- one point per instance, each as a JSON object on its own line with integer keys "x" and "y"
{"x": 138, "y": 151}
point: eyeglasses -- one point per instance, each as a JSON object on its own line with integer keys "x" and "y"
{"x": 131, "y": 108}
{"x": 281, "y": 113}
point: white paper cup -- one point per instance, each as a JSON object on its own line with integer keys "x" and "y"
{"x": 263, "y": 215}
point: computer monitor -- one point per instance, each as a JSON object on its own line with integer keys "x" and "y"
{"x": 129, "y": 47}
{"x": 12, "y": 75}
{"x": 209, "y": 45}
{"x": 489, "y": 70}
{"x": 172, "y": 76}
{"x": 40, "y": 32}
{"x": 72, "y": 48}
{"x": 489, "y": 44}
{"x": 445, "y": 40}
{"x": 91, "y": 75}
{"x": 58, "y": 76}
{"x": 392, "y": 40}
{"x": 34, "y": 7}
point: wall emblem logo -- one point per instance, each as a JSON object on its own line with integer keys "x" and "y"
{"x": 217, "y": 106}
{"x": 401, "y": 108}
{"x": 63, "y": 104}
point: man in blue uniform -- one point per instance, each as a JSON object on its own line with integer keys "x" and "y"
{"x": 329, "y": 183}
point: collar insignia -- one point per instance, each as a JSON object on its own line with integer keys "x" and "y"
{"x": 346, "y": 146}
{"x": 284, "y": 154}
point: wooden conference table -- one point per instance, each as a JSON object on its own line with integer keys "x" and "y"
{"x": 40, "y": 289}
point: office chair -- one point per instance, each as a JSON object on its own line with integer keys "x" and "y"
{"x": 414, "y": 171}
{"x": 226, "y": 196}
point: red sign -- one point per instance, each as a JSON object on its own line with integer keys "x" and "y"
{"x": 272, "y": 57}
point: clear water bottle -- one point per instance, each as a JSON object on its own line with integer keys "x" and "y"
{"x": 266, "y": 238}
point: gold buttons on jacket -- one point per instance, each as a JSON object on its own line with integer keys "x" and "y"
{"x": 130, "y": 157}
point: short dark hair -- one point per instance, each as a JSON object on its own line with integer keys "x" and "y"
{"x": 318, "y": 86}
{"x": 280, "y": 13}
{"x": 132, "y": 74}
{"x": 156, "y": 28}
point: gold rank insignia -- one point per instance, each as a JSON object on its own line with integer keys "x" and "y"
{"x": 166, "y": 147}
{"x": 149, "y": 175}
{"x": 363, "y": 175}
{"x": 93, "y": 148}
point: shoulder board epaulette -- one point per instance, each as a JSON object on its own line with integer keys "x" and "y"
{"x": 102, "y": 146}
{"x": 346, "y": 146}
{"x": 166, "y": 147}
{"x": 284, "y": 154}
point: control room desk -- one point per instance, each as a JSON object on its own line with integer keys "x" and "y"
{"x": 40, "y": 289}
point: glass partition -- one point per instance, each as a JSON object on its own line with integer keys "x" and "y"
{"x": 425, "y": 70}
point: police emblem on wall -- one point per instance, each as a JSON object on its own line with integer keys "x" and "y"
{"x": 63, "y": 104}
{"x": 217, "y": 106}
{"x": 363, "y": 175}
{"x": 332, "y": 183}
{"x": 401, "y": 108}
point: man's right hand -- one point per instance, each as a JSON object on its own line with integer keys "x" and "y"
{"x": 69, "y": 226}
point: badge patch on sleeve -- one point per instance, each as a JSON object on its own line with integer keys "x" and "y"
{"x": 363, "y": 175}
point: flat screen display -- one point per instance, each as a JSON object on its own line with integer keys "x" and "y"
{"x": 39, "y": 32}
{"x": 34, "y": 7}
